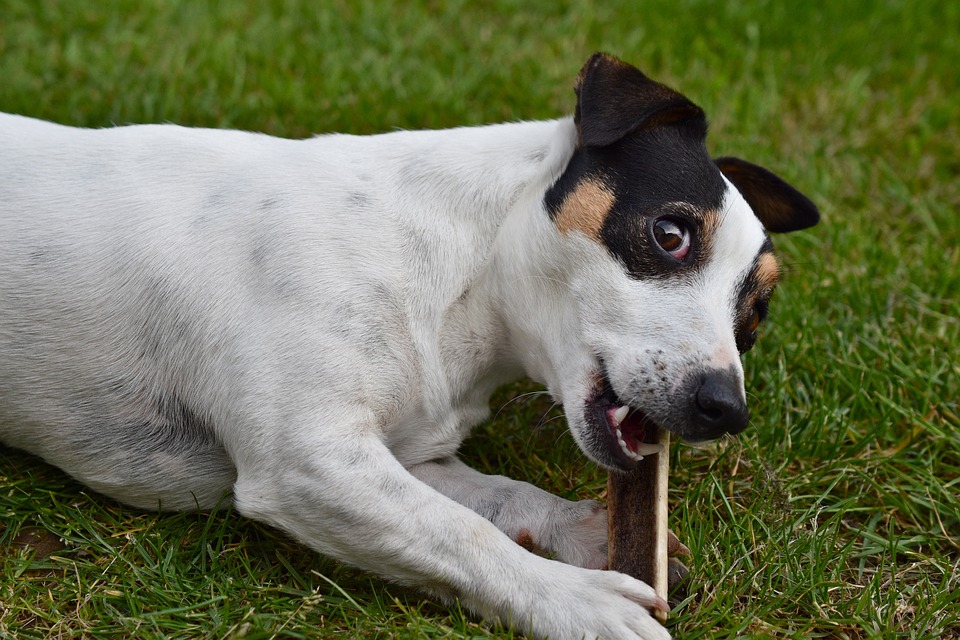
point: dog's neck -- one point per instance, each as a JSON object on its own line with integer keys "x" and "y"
{"x": 470, "y": 179}
{"x": 492, "y": 181}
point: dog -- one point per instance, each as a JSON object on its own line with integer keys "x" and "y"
{"x": 310, "y": 328}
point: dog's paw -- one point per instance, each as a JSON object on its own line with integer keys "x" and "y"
{"x": 678, "y": 575}
{"x": 678, "y": 581}
{"x": 675, "y": 547}
{"x": 598, "y": 604}
{"x": 578, "y": 534}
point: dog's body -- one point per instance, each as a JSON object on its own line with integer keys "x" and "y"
{"x": 313, "y": 326}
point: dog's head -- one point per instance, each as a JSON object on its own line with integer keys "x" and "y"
{"x": 669, "y": 262}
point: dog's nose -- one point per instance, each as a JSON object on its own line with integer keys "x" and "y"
{"x": 719, "y": 404}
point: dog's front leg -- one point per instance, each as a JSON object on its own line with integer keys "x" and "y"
{"x": 350, "y": 498}
{"x": 572, "y": 532}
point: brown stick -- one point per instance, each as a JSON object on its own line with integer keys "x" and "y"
{"x": 637, "y": 513}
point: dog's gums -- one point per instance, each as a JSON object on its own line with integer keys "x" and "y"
{"x": 635, "y": 425}
{"x": 623, "y": 428}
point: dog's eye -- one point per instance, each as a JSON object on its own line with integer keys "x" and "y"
{"x": 672, "y": 237}
{"x": 754, "y": 321}
{"x": 747, "y": 334}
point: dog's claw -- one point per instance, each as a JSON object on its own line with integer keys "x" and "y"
{"x": 661, "y": 604}
{"x": 675, "y": 547}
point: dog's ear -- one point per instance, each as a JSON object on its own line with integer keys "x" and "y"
{"x": 615, "y": 99}
{"x": 780, "y": 207}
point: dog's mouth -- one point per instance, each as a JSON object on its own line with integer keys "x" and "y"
{"x": 624, "y": 430}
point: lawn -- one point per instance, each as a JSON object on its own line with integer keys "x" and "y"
{"x": 836, "y": 515}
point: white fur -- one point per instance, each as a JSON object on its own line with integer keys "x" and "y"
{"x": 329, "y": 317}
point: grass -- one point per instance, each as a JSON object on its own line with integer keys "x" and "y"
{"x": 837, "y": 515}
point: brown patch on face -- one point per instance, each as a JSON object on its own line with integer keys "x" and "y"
{"x": 768, "y": 271}
{"x": 754, "y": 297}
{"x": 710, "y": 220}
{"x": 585, "y": 208}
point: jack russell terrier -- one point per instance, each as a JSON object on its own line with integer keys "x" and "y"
{"x": 311, "y": 327}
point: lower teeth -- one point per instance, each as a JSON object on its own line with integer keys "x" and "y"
{"x": 643, "y": 449}
{"x": 626, "y": 450}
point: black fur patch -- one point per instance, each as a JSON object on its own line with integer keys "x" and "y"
{"x": 649, "y": 171}
{"x": 645, "y": 143}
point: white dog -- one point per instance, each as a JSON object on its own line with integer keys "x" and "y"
{"x": 313, "y": 326}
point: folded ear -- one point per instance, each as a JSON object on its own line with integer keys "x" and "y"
{"x": 780, "y": 207}
{"x": 615, "y": 99}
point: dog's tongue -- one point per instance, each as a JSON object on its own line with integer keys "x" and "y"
{"x": 630, "y": 429}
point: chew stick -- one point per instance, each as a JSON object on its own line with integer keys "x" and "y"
{"x": 637, "y": 512}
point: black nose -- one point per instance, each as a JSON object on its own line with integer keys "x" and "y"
{"x": 719, "y": 404}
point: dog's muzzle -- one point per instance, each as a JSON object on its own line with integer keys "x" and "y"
{"x": 706, "y": 406}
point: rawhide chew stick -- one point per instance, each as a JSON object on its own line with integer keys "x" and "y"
{"x": 637, "y": 513}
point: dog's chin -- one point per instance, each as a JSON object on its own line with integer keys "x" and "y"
{"x": 618, "y": 435}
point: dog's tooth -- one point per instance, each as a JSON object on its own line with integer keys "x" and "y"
{"x": 649, "y": 449}
{"x": 623, "y": 446}
{"x": 620, "y": 415}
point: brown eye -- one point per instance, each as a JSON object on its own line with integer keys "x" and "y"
{"x": 754, "y": 321}
{"x": 672, "y": 237}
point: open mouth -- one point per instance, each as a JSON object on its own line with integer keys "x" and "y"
{"x": 625, "y": 430}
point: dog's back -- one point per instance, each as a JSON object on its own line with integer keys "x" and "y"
{"x": 158, "y": 283}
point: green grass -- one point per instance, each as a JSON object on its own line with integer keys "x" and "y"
{"x": 837, "y": 515}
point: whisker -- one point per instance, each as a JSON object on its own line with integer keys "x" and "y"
{"x": 517, "y": 398}
{"x": 545, "y": 418}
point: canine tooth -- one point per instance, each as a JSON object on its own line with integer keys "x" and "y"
{"x": 649, "y": 449}
{"x": 620, "y": 415}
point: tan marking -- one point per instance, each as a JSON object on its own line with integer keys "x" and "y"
{"x": 586, "y": 208}
{"x": 710, "y": 220}
{"x": 710, "y": 224}
{"x": 768, "y": 271}
{"x": 525, "y": 540}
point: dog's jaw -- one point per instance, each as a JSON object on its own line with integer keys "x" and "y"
{"x": 624, "y": 428}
